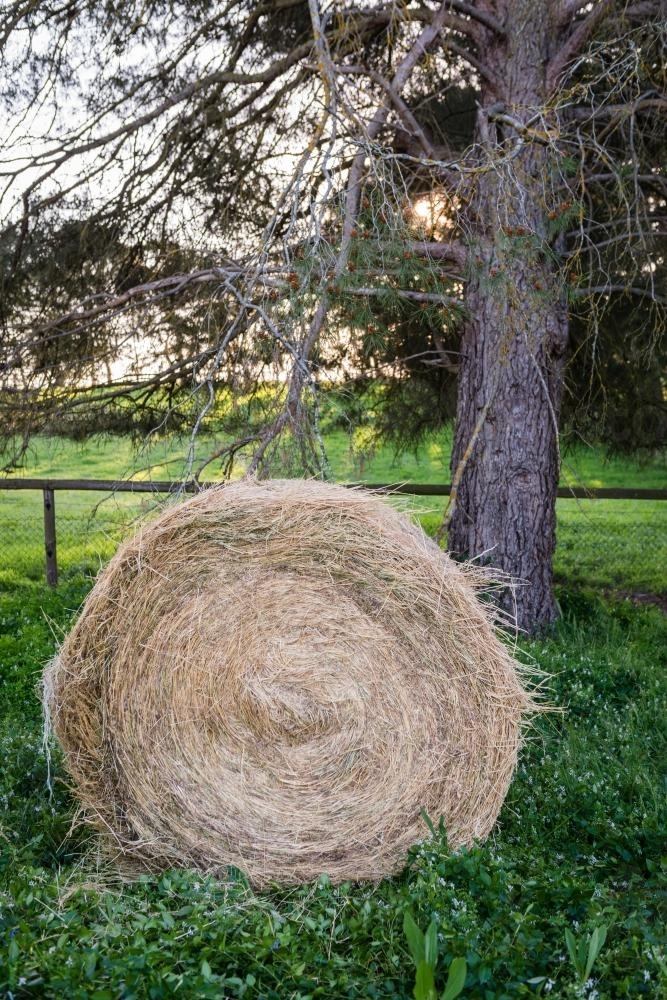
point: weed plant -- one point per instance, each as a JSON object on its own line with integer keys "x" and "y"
{"x": 567, "y": 899}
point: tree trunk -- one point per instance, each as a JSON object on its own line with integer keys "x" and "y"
{"x": 505, "y": 460}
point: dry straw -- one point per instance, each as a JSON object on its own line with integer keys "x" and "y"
{"x": 281, "y": 676}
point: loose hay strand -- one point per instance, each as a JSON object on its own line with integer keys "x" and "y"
{"x": 281, "y": 676}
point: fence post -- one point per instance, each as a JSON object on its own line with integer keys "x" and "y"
{"x": 50, "y": 536}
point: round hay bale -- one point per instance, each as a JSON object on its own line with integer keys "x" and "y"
{"x": 281, "y": 676}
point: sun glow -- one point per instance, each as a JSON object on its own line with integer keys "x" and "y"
{"x": 433, "y": 215}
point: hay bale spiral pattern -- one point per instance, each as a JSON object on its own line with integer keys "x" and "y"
{"x": 280, "y": 676}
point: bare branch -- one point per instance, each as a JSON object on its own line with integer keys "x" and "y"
{"x": 613, "y": 289}
{"x": 638, "y": 13}
{"x": 404, "y": 112}
{"x": 476, "y": 14}
{"x": 619, "y": 112}
{"x": 525, "y": 129}
{"x": 485, "y": 73}
{"x": 426, "y": 39}
{"x": 568, "y": 8}
{"x": 63, "y": 153}
{"x": 451, "y": 250}
{"x": 171, "y": 285}
{"x": 429, "y": 298}
{"x": 576, "y": 41}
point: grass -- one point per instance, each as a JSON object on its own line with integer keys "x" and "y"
{"x": 352, "y": 458}
{"x": 614, "y": 545}
{"x": 575, "y": 870}
{"x": 619, "y": 545}
{"x": 578, "y": 856}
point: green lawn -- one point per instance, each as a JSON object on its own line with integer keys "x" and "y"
{"x": 614, "y": 545}
{"x": 115, "y": 458}
{"x": 617, "y": 545}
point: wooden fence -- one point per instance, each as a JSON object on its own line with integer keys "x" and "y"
{"x": 49, "y": 487}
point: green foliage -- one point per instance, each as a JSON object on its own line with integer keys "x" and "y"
{"x": 579, "y": 849}
{"x": 424, "y": 952}
{"x": 405, "y": 334}
{"x": 618, "y": 395}
{"x": 584, "y": 950}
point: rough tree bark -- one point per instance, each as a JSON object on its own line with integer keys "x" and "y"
{"x": 505, "y": 459}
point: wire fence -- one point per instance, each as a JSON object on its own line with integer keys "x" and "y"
{"x": 612, "y": 540}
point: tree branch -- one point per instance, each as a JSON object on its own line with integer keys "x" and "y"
{"x": 452, "y": 250}
{"x": 428, "y": 298}
{"x": 612, "y": 289}
{"x": 576, "y": 41}
{"x": 412, "y": 125}
{"x": 426, "y": 39}
{"x": 170, "y": 285}
{"x": 569, "y": 8}
{"x": 63, "y": 152}
{"x": 639, "y": 12}
{"x": 449, "y": 45}
{"x": 481, "y": 17}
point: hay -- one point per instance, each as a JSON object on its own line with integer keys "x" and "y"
{"x": 280, "y": 676}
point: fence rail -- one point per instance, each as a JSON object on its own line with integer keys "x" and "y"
{"x": 574, "y": 540}
{"x": 414, "y": 489}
